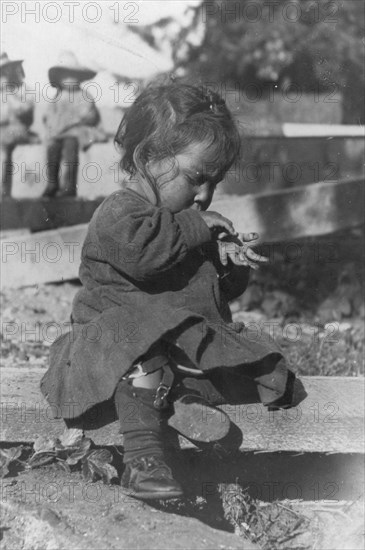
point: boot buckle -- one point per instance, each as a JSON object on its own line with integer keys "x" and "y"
{"x": 160, "y": 401}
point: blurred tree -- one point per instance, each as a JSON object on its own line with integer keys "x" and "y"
{"x": 311, "y": 44}
{"x": 177, "y": 35}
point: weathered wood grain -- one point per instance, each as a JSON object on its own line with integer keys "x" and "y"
{"x": 287, "y": 214}
{"x": 42, "y": 214}
{"x": 330, "y": 419}
{"x": 315, "y": 131}
{"x": 317, "y": 209}
{"x": 44, "y": 257}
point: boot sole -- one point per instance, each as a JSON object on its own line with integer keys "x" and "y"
{"x": 199, "y": 421}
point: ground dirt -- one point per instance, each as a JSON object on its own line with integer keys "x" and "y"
{"x": 50, "y": 509}
{"x": 314, "y": 310}
{"x": 95, "y": 516}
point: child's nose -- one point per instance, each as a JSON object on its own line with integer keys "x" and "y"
{"x": 204, "y": 196}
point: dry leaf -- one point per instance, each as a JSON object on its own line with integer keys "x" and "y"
{"x": 79, "y": 453}
{"x": 41, "y": 459}
{"x": 72, "y": 437}
{"x": 7, "y": 456}
{"x": 96, "y": 465}
{"x": 44, "y": 444}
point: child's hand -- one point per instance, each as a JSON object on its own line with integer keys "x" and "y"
{"x": 219, "y": 225}
{"x": 240, "y": 253}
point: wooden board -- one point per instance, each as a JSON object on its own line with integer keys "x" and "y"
{"x": 330, "y": 419}
{"x": 42, "y": 214}
{"x": 44, "y": 257}
{"x": 317, "y": 209}
{"x": 314, "y": 209}
{"x": 287, "y": 214}
{"x": 315, "y": 131}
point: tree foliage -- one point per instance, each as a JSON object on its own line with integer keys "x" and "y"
{"x": 266, "y": 39}
{"x": 313, "y": 44}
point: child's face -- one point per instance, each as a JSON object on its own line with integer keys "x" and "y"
{"x": 13, "y": 75}
{"x": 184, "y": 182}
{"x": 69, "y": 81}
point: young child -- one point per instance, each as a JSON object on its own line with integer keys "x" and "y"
{"x": 16, "y": 117}
{"x": 72, "y": 122}
{"x": 153, "y": 338}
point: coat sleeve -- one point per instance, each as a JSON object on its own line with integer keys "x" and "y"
{"x": 233, "y": 279}
{"x": 234, "y": 282}
{"x": 145, "y": 241}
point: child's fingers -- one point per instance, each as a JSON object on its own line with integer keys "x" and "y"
{"x": 218, "y": 223}
{"x": 238, "y": 257}
{"x": 222, "y": 223}
{"x": 223, "y": 256}
{"x": 248, "y": 237}
{"x": 255, "y": 257}
{"x": 221, "y": 235}
{"x": 246, "y": 257}
{"x": 243, "y": 262}
{"x": 227, "y": 225}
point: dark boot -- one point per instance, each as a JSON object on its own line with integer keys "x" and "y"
{"x": 149, "y": 478}
{"x": 218, "y": 434}
{"x": 196, "y": 419}
{"x": 146, "y": 475}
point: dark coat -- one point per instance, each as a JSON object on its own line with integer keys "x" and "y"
{"x": 148, "y": 274}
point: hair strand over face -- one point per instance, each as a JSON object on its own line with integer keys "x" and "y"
{"x": 166, "y": 120}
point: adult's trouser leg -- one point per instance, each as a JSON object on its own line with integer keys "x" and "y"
{"x": 70, "y": 165}
{"x": 53, "y": 158}
{"x": 7, "y": 170}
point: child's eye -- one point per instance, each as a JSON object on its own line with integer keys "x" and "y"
{"x": 200, "y": 179}
{"x": 194, "y": 181}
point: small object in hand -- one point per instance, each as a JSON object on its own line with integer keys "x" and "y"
{"x": 239, "y": 252}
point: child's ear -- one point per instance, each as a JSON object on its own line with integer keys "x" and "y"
{"x": 137, "y": 161}
{"x": 144, "y": 183}
{"x": 135, "y": 156}
{"x": 151, "y": 164}
{"x": 152, "y": 168}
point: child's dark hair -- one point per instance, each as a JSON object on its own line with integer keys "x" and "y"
{"x": 165, "y": 120}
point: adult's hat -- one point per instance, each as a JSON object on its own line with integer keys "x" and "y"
{"x": 68, "y": 64}
{"x": 6, "y": 62}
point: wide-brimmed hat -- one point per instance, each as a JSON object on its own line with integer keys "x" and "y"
{"x": 68, "y": 63}
{"x": 6, "y": 62}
